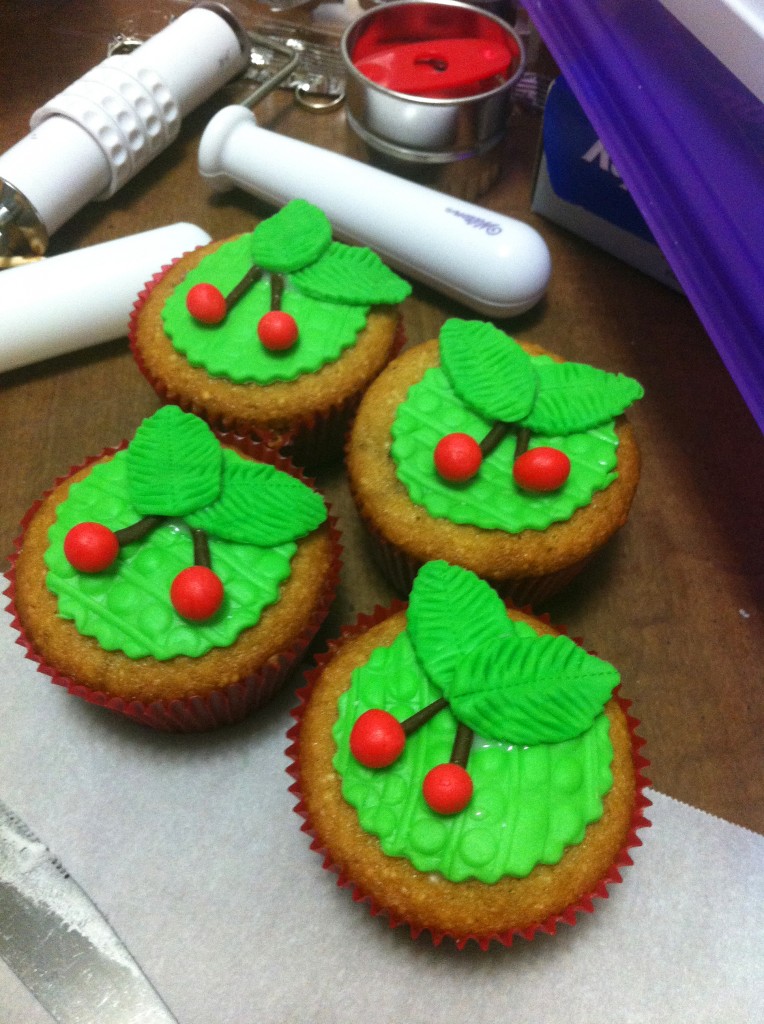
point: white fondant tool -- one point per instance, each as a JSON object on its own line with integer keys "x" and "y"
{"x": 101, "y": 130}
{"x": 496, "y": 265}
{"x": 63, "y": 303}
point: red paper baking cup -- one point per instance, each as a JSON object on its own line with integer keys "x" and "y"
{"x": 195, "y": 713}
{"x": 311, "y": 439}
{"x": 584, "y": 904}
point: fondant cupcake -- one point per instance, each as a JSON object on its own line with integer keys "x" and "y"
{"x": 466, "y": 769}
{"x": 493, "y": 455}
{"x": 273, "y": 334}
{"x": 175, "y": 579}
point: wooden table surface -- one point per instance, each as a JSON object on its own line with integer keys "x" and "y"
{"x": 674, "y": 601}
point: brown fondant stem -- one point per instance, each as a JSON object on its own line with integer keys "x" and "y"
{"x": 251, "y": 277}
{"x": 523, "y": 439}
{"x": 418, "y": 719}
{"x": 137, "y": 531}
{"x": 462, "y": 743}
{"x": 201, "y": 548}
{"x": 498, "y": 432}
{"x": 277, "y": 290}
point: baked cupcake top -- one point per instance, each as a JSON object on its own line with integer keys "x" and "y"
{"x": 503, "y": 756}
{"x": 175, "y": 544}
{"x": 500, "y": 439}
{"x": 279, "y": 302}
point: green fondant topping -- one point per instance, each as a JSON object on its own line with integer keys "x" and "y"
{"x": 574, "y": 397}
{"x": 451, "y": 610}
{"x": 127, "y": 607}
{"x": 294, "y": 237}
{"x": 260, "y": 505}
{"x": 328, "y": 288}
{"x": 174, "y": 464}
{"x": 232, "y": 349}
{"x": 488, "y": 370}
{"x": 351, "y": 275}
{"x": 529, "y": 803}
{"x": 501, "y": 678}
{"x": 530, "y": 689}
{"x": 491, "y": 500}
{"x": 251, "y": 513}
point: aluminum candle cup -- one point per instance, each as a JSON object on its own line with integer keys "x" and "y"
{"x": 429, "y": 90}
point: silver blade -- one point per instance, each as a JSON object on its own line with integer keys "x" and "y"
{"x": 58, "y": 943}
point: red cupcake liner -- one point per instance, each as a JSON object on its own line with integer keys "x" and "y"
{"x": 195, "y": 713}
{"x": 311, "y": 439}
{"x": 583, "y": 905}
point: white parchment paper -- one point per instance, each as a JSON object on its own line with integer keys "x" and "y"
{"x": 191, "y": 847}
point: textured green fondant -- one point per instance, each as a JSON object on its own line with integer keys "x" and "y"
{"x": 529, "y": 803}
{"x": 501, "y": 678}
{"x": 349, "y": 274}
{"x": 573, "y": 397}
{"x": 260, "y": 505}
{"x": 488, "y": 370}
{"x": 292, "y": 238}
{"x": 174, "y": 464}
{"x": 127, "y": 607}
{"x": 491, "y": 500}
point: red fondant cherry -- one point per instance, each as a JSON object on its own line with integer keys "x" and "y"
{"x": 196, "y": 593}
{"x": 277, "y": 330}
{"x": 447, "y": 788}
{"x": 541, "y": 469}
{"x": 457, "y": 457}
{"x": 91, "y": 547}
{"x": 206, "y": 303}
{"x": 377, "y": 739}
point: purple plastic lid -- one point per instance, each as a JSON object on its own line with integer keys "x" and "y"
{"x": 688, "y": 140}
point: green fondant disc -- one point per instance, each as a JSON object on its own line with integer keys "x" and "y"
{"x": 528, "y": 805}
{"x": 127, "y": 607}
{"x": 491, "y": 500}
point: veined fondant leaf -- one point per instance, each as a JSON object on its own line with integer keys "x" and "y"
{"x": 573, "y": 397}
{"x": 451, "y": 610}
{"x": 260, "y": 504}
{"x": 352, "y": 275}
{"x": 291, "y": 238}
{"x": 173, "y": 464}
{"x": 528, "y": 690}
{"x": 487, "y": 369}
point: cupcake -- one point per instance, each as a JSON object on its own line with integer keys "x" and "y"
{"x": 274, "y": 334}
{"x": 175, "y": 579}
{"x": 494, "y": 455}
{"x": 467, "y": 770}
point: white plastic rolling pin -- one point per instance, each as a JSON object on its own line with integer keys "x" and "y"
{"x": 81, "y": 298}
{"x": 100, "y": 131}
{"x": 494, "y": 264}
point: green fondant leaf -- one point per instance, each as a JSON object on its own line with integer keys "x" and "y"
{"x": 173, "y": 464}
{"x": 574, "y": 397}
{"x": 353, "y": 275}
{"x": 487, "y": 369}
{"x": 260, "y": 504}
{"x": 292, "y": 238}
{"x": 451, "y": 610}
{"x": 528, "y": 690}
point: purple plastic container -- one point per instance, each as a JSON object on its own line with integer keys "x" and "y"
{"x": 688, "y": 140}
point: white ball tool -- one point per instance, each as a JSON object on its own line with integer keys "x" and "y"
{"x": 81, "y": 298}
{"x": 100, "y": 131}
{"x": 494, "y": 264}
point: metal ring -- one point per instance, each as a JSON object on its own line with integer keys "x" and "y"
{"x": 317, "y": 104}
